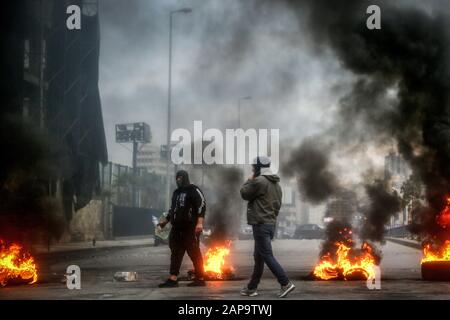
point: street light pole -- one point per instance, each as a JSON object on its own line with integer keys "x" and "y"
{"x": 239, "y": 109}
{"x": 135, "y": 174}
{"x": 169, "y": 102}
{"x": 242, "y": 217}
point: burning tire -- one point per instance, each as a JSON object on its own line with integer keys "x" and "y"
{"x": 16, "y": 265}
{"x": 346, "y": 263}
{"x": 357, "y": 275}
{"x": 216, "y": 266}
{"x": 436, "y": 261}
{"x": 436, "y": 270}
{"x": 226, "y": 275}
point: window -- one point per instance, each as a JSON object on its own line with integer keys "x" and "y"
{"x": 26, "y": 107}
{"x": 26, "y": 54}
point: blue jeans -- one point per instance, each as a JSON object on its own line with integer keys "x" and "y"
{"x": 263, "y": 234}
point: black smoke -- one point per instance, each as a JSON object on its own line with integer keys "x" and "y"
{"x": 337, "y": 231}
{"x": 381, "y": 207}
{"x": 410, "y": 56}
{"x": 310, "y": 164}
{"x": 224, "y": 205}
{"x": 27, "y": 213}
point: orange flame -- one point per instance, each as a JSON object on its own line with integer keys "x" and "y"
{"x": 444, "y": 217}
{"x": 215, "y": 260}
{"x": 15, "y": 264}
{"x": 436, "y": 254}
{"x": 345, "y": 265}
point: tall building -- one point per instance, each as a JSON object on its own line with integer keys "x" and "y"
{"x": 396, "y": 172}
{"x": 50, "y": 80}
{"x": 149, "y": 157}
{"x": 394, "y": 165}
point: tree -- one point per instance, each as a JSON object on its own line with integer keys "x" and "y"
{"x": 411, "y": 191}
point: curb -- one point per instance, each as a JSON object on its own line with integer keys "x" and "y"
{"x": 75, "y": 252}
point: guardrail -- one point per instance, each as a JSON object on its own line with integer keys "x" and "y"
{"x": 399, "y": 232}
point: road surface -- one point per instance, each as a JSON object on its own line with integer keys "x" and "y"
{"x": 400, "y": 276}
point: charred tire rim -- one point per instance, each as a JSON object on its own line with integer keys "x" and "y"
{"x": 436, "y": 270}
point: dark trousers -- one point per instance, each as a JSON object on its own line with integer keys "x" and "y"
{"x": 263, "y": 234}
{"x": 181, "y": 241}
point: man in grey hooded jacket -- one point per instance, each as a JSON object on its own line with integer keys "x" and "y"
{"x": 263, "y": 193}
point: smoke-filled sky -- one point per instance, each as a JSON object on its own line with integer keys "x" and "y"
{"x": 222, "y": 51}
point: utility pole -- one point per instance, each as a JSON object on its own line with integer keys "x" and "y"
{"x": 242, "y": 209}
{"x": 169, "y": 102}
{"x": 135, "y": 175}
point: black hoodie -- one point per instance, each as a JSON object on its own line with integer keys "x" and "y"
{"x": 188, "y": 204}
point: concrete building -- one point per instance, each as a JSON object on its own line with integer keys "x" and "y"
{"x": 396, "y": 172}
{"x": 395, "y": 167}
{"x": 50, "y": 81}
{"x": 149, "y": 157}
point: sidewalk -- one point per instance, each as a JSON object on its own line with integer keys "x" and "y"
{"x": 123, "y": 242}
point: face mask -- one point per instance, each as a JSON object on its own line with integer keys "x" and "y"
{"x": 182, "y": 179}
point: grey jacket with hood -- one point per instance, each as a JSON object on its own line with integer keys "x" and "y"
{"x": 264, "y": 195}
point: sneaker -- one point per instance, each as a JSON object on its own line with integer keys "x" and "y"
{"x": 248, "y": 292}
{"x": 169, "y": 283}
{"x": 197, "y": 283}
{"x": 286, "y": 289}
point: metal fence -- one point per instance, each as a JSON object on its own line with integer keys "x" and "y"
{"x": 399, "y": 232}
{"x": 110, "y": 191}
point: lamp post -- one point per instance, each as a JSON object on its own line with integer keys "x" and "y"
{"x": 169, "y": 98}
{"x": 239, "y": 109}
{"x": 242, "y": 216}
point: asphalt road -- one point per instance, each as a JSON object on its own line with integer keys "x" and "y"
{"x": 400, "y": 276}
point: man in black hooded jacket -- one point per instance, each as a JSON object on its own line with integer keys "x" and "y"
{"x": 186, "y": 215}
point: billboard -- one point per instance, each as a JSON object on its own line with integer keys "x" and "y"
{"x": 133, "y": 132}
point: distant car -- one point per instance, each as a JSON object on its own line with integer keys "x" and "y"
{"x": 309, "y": 231}
{"x": 286, "y": 232}
{"x": 245, "y": 233}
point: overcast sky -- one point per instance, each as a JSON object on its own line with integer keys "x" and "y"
{"x": 222, "y": 51}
